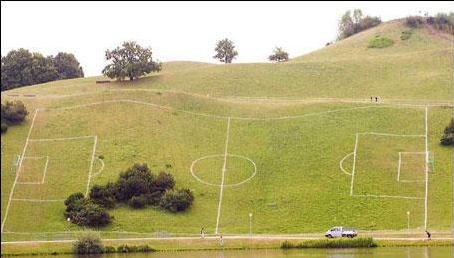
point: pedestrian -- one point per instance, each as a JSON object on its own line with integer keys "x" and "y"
{"x": 428, "y": 235}
{"x": 376, "y": 99}
{"x": 371, "y": 100}
{"x": 202, "y": 233}
{"x": 221, "y": 241}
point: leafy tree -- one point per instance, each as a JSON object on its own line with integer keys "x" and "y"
{"x": 103, "y": 195}
{"x": 84, "y": 212}
{"x": 16, "y": 69}
{"x": 136, "y": 180}
{"x": 67, "y": 66}
{"x": 138, "y": 202}
{"x": 177, "y": 200}
{"x": 225, "y": 51}
{"x": 43, "y": 69}
{"x": 448, "y": 135}
{"x": 279, "y": 55}
{"x": 351, "y": 24}
{"x": 88, "y": 243}
{"x": 130, "y": 60}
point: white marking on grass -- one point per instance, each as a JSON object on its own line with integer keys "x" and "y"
{"x": 224, "y": 168}
{"x": 398, "y": 168}
{"x": 17, "y": 171}
{"x": 44, "y": 170}
{"x": 37, "y": 200}
{"x": 91, "y": 165}
{"x": 61, "y": 139}
{"x": 395, "y": 135}
{"x": 388, "y": 196}
{"x": 354, "y": 165}
{"x": 342, "y": 162}
{"x": 101, "y": 169}
{"x": 400, "y": 165}
{"x": 426, "y": 167}
{"x": 193, "y": 172}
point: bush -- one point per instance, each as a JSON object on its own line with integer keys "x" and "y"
{"x": 103, "y": 195}
{"x": 414, "y": 21}
{"x": 138, "y": 202}
{"x": 177, "y": 200}
{"x": 406, "y": 34}
{"x": 84, "y": 212}
{"x": 134, "y": 249}
{"x": 380, "y": 42}
{"x": 88, "y": 243}
{"x": 335, "y": 243}
{"x": 4, "y": 128}
{"x": 448, "y": 135}
{"x": 13, "y": 113}
{"x": 164, "y": 181}
{"x": 136, "y": 180}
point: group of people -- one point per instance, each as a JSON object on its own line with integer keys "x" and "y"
{"x": 202, "y": 236}
{"x": 372, "y": 99}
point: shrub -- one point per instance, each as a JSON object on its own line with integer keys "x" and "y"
{"x": 13, "y": 112}
{"x": 448, "y": 135}
{"x": 88, "y": 243}
{"x": 103, "y": 195}
{"x": 414, "y": 21}
{"x": 177, "y": 200}
{"x": 138, "y": 202}
{"x": 84, "y": 212}
{"x": 335, "y": 243}
{"x": 406, "y": 34}
{"x": 134, "y": 249}
{"x": 109, "y": 249}
{"x": 136, "y": 180}
{"x": 380, "y": 42}
{"x": 4, "y": 128}
{"x": 164, "y": 181}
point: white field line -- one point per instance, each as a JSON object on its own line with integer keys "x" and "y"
{"x": 38, "y": 200}
{"x": 426, "y": 167}
{"x": 224, "y": 168}
{"x": 388, "y": 196}
{"x": 45, "y": 169}
{"x": 11, "y": 193}
{"x": 91, "y": 164}
{"x": 395, "y": 135}
{"x": 169, "y": 109}
{"x": 342, "y": 162}
{"x": 354, "y": 165}
{"x": 399, "y": 164}
{"x": 101, "y": 169}
{"x": 61, "y": 139}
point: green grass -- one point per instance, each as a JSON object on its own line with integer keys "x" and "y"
{"x": 380, "y": 42}
{"x": 298, "y": 186}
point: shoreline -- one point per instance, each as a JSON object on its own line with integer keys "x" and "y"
{"x": 197, "y": 244}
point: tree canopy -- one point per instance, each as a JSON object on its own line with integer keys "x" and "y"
{"x": 130, "y": 61}
{"x": 225, "y": 51}
{"x": 351, "y": 24}
{"x": 279, "y": 55}
{"x": 21, "y": 68}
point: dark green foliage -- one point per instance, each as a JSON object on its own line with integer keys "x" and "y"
{"x": 163, "y": 182}
{"x": 130, "y": 61}
{"x": 380, "y": 42}
{"x": 13, "y": 113}
{"x": 109, "y": 249}
{"x": 442, "y": 22}
{"x": 84, "y": 212}
{"x": 103, "y": 195}
{"x": 4, "y": 128}
{"x": 134, "y": 249}
{"x": 177, "y": 200}
{"x": 136, "y": 180}
{"x": 406, "y": 34}
{"x": 88, "y": 243}
{"x": 67, "y": 66}
{"x": 279, "y": 55}
{"x": 21, "y": 67}
{"x": 138, "y": 202}
{"x": 448, "y": 135}
{"x": 225, "y": 51}
{"x": 352, "y": 24}
{"x": 332, "y": 243}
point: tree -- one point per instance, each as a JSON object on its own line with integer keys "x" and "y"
{"x": 130, "y": 60}
{"x": 43, "y": 69}
{"x": 225, "y": 51}
{"x": 16, "y": 69}
{"x": 13, "y": 113}
{"x": 351, "y": 24}
{"x": 88, "y": 243}
{"x": 84, "y": 212}
{"x": 67, "y": 66}
{"x": 448, "y": 135}
{"x": 279, "y": 55}
{"x": 177, "y": 200}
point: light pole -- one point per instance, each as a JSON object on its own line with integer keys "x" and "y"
{"x": 408, "y": 222}
{"x": 250, "y": 224}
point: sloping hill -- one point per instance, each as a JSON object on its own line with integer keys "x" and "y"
{"x": 297, "y": 143}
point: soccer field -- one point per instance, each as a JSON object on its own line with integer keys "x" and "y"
{"x": 362, "y": 165}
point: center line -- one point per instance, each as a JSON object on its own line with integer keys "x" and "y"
{"x": 224, "y": 168}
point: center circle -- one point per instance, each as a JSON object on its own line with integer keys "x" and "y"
{"x": 212, "y": 175}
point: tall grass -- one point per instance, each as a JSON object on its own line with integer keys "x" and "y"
{"x": 335, "y": 243}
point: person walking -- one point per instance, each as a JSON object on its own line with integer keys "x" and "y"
{"x": 376, "y": 99}
{"x": 202, "y": 233}
{"x": 221, "y": 241}
{"x": 428, "y": 235}
{"x": 371, "y": 99}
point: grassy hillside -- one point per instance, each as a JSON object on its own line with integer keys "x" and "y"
{"x": 289, "y": 130}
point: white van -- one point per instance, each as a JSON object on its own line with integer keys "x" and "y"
{"x": 341, "y": 232}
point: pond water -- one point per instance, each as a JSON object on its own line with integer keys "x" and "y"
{"x": 385, "y": 252}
